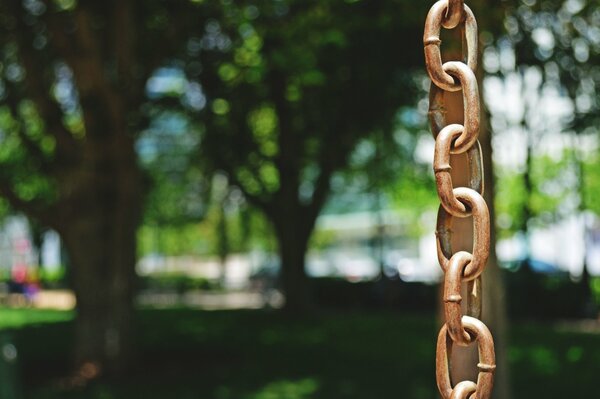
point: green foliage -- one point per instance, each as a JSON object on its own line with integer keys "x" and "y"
{"x": 591, "y": 183}
{"x": 5, "y": 209}
{"x": 321, "y": 239}
{"x": 246, "y": 228}
{"x": 552, "y": 187}
{"x": 54, "y": 276}
{"x": 292, "y": 89}
{"x": 415, "y": 190}
{"x": 171, "y": 239}
{"x": 595, "y": 289}
{"x": 385, "y": 172}
{"x": 17, "y": 165}
{"x": 414, "y": 195}
{"x": 298, "y": 87}
{"x": 558, "y": 40}
{"x": 559, "y": 36}
{"x": 179, "y": 188}
{"x": 510, "y": 201}
{"x": 553, "y": 184}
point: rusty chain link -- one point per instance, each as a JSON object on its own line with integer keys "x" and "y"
{"x": 487, "y": 360}
{"x": 442, "y": 168}
{"x": 462, "y": 202}
{"x": 432, "y": 42}
{"x": 481, "y": 232}
{"x": 454, "y": 14}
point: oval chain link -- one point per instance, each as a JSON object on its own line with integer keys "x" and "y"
{"x": 462, "y": 266}
{"x": 442, "y": 168}
{"x": 432, "y": 43}
{"x": 487, "y": 358}
{"x": 468, "y": 83}
{"x": 481, "y": 233}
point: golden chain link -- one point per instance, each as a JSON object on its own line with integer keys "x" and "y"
{"x": 460, "y": 202}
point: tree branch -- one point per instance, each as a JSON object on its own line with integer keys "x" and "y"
{"x": 34, "y": 150}
{"x": 124, "y": 42}
{"x": 47, "y": 216}
{"x": 39, "y": 90}
{"x": 253, "y": 199}
{"x": 320, "y": 192}
{"x": 332, "y": 156}
{"x": 101, "y": 103}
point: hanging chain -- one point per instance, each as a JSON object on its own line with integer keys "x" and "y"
{"x": 460, "y": 267}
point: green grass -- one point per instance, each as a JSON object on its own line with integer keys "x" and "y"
{"x": 266, "y": 355}
{"x": 16, "y": 318}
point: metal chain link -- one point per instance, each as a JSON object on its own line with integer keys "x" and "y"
{"x": 460, "y": 202}
{"x": 454, "y": 14}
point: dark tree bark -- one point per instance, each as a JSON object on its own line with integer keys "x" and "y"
{"x": 590, "y": 309}
{"x": 292, "y": 238}
{"x": 494, "y": 292}
{"x": 103, "y": 281}
{"x": 223, "y": 242}
{"x": 102, "y": 246}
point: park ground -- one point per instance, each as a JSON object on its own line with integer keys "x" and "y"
{"x": 255, "y": 354}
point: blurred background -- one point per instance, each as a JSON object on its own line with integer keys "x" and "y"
{"x": 235, "y": 200}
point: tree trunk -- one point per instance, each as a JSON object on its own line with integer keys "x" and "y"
{"x": 494, "y": 293}
{"x": 101, "y": 242}
{"x": 223, "y": 244}
{"x": 590, "y": 309}
{"x": 293, "y": 244}
{"x": 103, "y": 260}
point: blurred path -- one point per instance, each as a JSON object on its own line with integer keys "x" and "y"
{"x": 65, "y": 300}
{"x": 207, "y": 300}
{"x": 584, "y": 326}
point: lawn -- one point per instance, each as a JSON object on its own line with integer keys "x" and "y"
{"x": 266, "y": 355}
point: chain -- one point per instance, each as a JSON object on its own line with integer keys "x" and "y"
{"x": 460, "y": 267}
